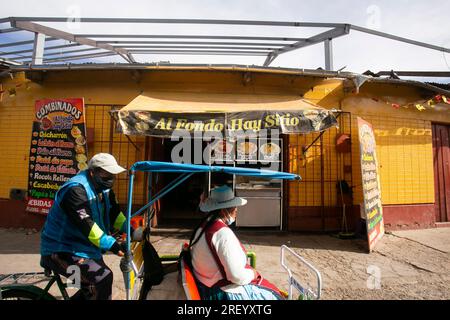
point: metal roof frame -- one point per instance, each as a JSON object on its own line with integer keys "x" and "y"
{"x": 241, "y": 45}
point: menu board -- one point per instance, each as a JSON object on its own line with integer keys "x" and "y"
{"x": 58, "y": 149}
{"x": 373, "y": 209}
{"x": 222, "y": 151}
{"x": 269, "y": 150}
{"x": 246, "y": 150}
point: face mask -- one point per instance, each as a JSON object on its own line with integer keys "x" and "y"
{"x": 230, "y": 219}
{"x": 103, "y": 183}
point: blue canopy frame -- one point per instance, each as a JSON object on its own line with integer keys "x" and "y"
{"x": 186, "y": 171}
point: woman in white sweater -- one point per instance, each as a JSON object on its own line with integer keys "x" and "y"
{"x": 218, "y": 258}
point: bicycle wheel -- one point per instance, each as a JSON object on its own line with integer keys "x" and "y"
{"x": 23, "y": 294}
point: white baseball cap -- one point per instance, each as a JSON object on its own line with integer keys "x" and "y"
{"x": 107, "y": 162}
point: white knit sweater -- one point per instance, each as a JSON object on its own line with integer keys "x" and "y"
{"x": 230, "y": 253}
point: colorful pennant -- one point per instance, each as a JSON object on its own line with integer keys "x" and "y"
{"x": 418, "y": 105}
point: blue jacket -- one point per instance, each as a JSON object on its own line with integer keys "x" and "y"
{"x": 60, "y": 235}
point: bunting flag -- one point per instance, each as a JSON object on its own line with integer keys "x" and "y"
{"x": 445, "y": 100}
{"x": 12, "y": 92}
{"x": 420, "y": 105}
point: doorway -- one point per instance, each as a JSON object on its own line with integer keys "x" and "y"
{"x": 441, "y": 160}
{"x": 180, "y": 206}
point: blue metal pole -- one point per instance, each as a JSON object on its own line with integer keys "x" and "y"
{"x": 149, "y": 198}
{"x": 129, "y": 205}
{"x": 157, "y": 196}
{"x": 169, "y": 187}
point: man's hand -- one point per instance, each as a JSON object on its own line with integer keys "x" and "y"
{"x": 119, "y": 248}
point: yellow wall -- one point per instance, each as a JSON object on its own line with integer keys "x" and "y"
{"x": 15, "y": 137}
{"x": 404, "y": 141}
{"x": 405, "y": 157}
{"x": 404, "y": 145}
{"x": 101, "y": 90}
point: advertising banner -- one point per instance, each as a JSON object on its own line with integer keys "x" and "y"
{"x": 58, "y": 149}
{"x": 373, "y": 210}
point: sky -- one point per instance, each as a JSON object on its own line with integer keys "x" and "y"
{"x": 422, "y": 20}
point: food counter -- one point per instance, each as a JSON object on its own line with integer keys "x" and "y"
{"x": 264, "y": 206}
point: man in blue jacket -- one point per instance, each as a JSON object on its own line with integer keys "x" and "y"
{"x": 78, "y": 226}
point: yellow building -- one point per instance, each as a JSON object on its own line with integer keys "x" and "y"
{"x": 409, "y": 118}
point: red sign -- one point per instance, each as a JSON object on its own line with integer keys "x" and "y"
{"x": 373, "y": 208}
{"x": 58, "y": 149}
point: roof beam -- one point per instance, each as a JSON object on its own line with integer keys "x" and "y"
{"x": 130, "y": 57}
{"x": 401, "y": 39}
{"x": 185, "y": 21}
{"x": 78, "y": 57}
{"x": 197, "y": 47}
{"x": 10, "y": 61}
{"x": 9, "y": 53}
{"x": 33, "y": 27}
{"x": 21, "y": 43}
{"x": 61, "y": 53}
{"x": 265, "y": 44}
{"x": 9, "y": 30}
{"x": 270, "y": 57}
{"x": 321, "y": 37}
{"x": 201, "y": 52}
{"x": 160, "y": 36}
{"x": 443, "y": 74}
{"x": 38, "y": 48}
{"x": 328, "y": 44}
{"x": 105, "y": 54}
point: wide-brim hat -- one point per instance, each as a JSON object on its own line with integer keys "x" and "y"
{"x": 221, "y": 198}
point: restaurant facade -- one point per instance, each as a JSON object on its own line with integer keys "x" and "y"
{"x": 410, "y": 120}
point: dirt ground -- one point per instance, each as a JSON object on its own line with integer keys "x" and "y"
{"x": 404, "y": 265}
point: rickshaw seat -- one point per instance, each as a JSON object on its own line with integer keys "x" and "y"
{"x": 188, "y": 279}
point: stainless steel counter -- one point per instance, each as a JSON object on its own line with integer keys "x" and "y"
{"x": 263, "y": 208}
